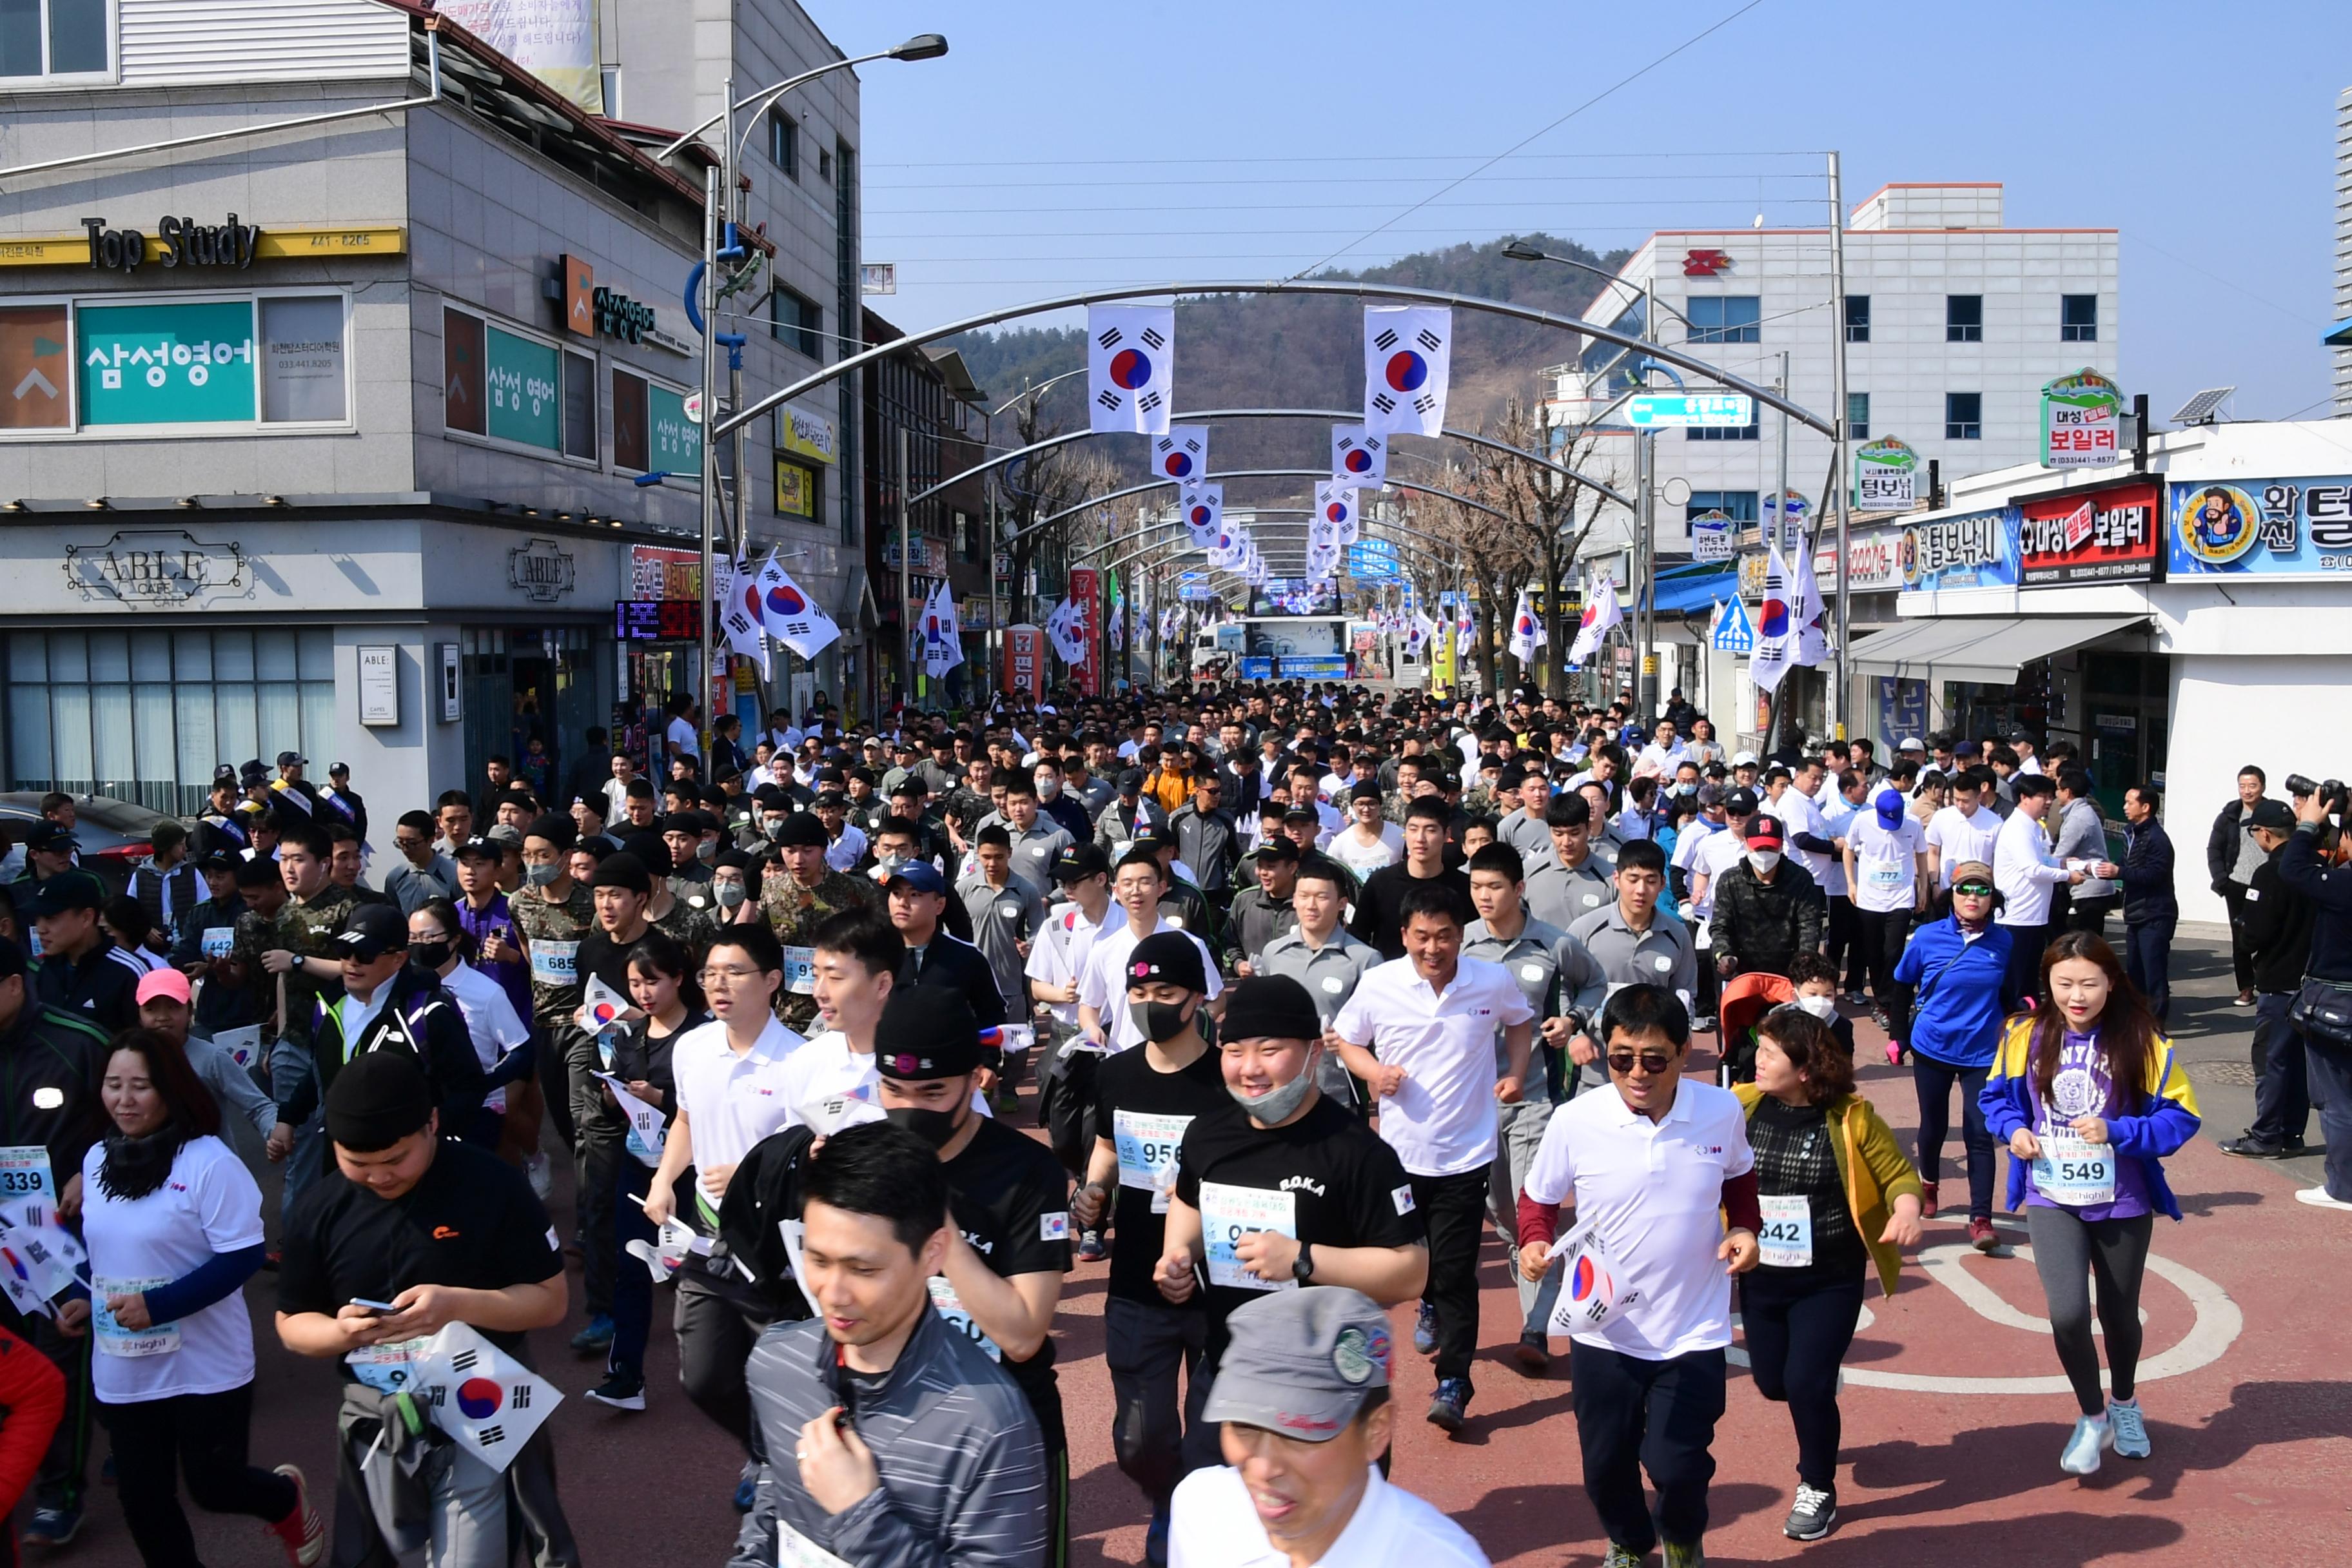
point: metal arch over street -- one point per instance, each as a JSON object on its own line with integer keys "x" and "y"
{"x": 1294, "y": 520}
{"x": 1378, "y": 291}
{"x": 1451, "y": 434}
{"x": 1108, "y": 496}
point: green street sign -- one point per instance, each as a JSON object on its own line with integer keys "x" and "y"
{"x": 188, "y": 363}
{"x": 1683, "y": 410}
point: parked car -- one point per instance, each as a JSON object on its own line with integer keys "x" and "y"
{"x": 114, "y": 835}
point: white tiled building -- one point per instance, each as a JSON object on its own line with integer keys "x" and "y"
{"x": 1953, "y": 325}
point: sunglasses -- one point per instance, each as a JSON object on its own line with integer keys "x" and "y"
{"x": 1653, "y": 1063}
{"x": 1973, "y": 889}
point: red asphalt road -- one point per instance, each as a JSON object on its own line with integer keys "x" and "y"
{"x": 2252, "y": 1448}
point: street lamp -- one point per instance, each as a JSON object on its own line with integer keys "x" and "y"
{"x": 717, "y": 220}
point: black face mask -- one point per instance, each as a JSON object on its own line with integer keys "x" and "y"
{"x": 1160, "y": 1021}
{"x": 933, "y": 1127}
{"x": 431, "y": 954}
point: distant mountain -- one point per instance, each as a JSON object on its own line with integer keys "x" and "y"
{"x": 1307, "y": 351}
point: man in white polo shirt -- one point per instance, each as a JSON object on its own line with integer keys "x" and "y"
{"x": 1420, "y": 1031}
{"x": 1303, "y": 1397}
{"x": 1139, "y": 885}
{"x": 1650, "y": 1167}
{"x": 733, "y": 1089}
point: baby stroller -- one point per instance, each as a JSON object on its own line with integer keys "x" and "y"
{"x": 1747, "y": 998}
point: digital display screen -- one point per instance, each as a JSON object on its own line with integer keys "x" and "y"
{"x": 656, "y": 620}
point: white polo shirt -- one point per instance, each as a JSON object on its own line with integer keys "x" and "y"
{"x": 732, "y": 1102}
{"x": 1653, "y": 1192}
{"x": 1103, "y": 987}
{"x": 1959, "y": 838}
{"x": 1441, "y": 1120}
{"x": 1214, "y": 1525}
{"x": 1058, "y": 954}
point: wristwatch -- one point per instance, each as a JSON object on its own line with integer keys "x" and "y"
{"x": 1302, "y": 1267}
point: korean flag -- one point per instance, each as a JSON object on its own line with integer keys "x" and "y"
{"x": 1406, "y": 351}
{"x": 1359, "y": 458}
{"x": 1335, "y": 505}
{"x": 1130, "y": 367}
{"x": 1203, "y": 507}
{"x": 1182, "y": 455}
{"x": 482, "y": 1397}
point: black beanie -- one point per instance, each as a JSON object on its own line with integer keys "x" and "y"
{"x": 1269, "y": 1006}
{"x": 926, "y": 1032}
{"x": 802, "y": 830}
{"x": 378, "y": 1098}
{"x": 556, "y": 828}
{"x": 622, "y": 870}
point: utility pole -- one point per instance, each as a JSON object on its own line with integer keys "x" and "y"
{"x": 711, "y": 179}
{"x": 1645, "y": 587}
{"x": 1838, "y": 693}
{"x": 906, "y": 571}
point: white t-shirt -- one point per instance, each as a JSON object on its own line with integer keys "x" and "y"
{"x": 1717, "y": 853}
{"x": 1213, "y": 1525}
{"x": 1441, "y": 1120}
{"x": 490, "y": 1018}
{"x": 1837, "y": 816}
{"x": 681, "y": 735}
{"x": 1363, "y": 859}
{"x": 730, "y": 1103}
{"x": 826, "y": 1066}
{"x": 1798, "y": 813}
{"x": 1654, "y": 1194}
{"x": 1959, "y": 839}
{"x": 1058, "y": 956}
{"x": 1885, "y": 861}
{"x": 208, "y": 1205}
{"x": 1104, "y": 986}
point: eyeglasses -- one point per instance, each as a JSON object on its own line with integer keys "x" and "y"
{"x": 708, "y": 976}
{"x": 1973, "y": 889}
{"x": 1653, "y": 1063}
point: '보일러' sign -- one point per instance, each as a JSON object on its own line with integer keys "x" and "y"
{"x": 2101, "y": 536}
{"x": 2082, "y": 417}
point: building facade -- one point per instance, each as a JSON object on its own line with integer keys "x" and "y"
{"x": 1952, "y": 325}
{"x": 353, "y": 436}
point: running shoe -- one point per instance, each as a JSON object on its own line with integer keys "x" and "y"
{"x": 302, "y": 1533}
{"x": 1090, "y": 1247}
{"x": 2130, "y": 1428}
{"x": 2092, "y": 1434}
{"x": 747, "y": 1488}
{"x": 52, "y": 1527}
{"x": 619, "y": 1391}
{"x": 1894, "y": 1054}
{"x": 1533, "y": 1352}
{"x": 1981, "y": 1236}
{"x": 1621, "y": 1557}
{"x": 2252, "y": 1148}
{"x": 1692, "y": 1554}
{"x": 597, "y": 1338}
{"x": 1927, "y": 1200}
{"x": 1446, "y": 1411}
{"x": 2245, "y": 999}
{"x": 1424, "y": 1329}
{"x": 2317, "y": 1198}
{"x": 1816, "y": 1511}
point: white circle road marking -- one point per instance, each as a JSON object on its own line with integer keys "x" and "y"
{"x": 2216, "y": 1327}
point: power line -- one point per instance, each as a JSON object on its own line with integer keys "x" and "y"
{"x": 924, "y": 209}
{"x": 1332, "y": 158}
{"x": 1647, "y": 179}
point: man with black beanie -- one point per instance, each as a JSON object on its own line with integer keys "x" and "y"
{"x": 1003, "y": 1276}
{"x": 554, "y": 913}
{"x": 443, "y": 1232}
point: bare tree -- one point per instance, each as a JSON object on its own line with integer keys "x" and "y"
{"x": 1546, "y": 515}
{"x": 1494, "y": 557}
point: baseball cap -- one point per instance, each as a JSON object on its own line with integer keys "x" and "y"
{"x": 1889, "y": 802}
{"x": 921, "y": 875}
{"x": 926, "y": 1032}
{"x": 1739, "y": 802}
{"x": 1301, "y": 1363}
{"x": 339, "y": 770}
{"x": 1079, "y": 861}
{"x": 1275, "y": 846}
{"x": 293, "y": 760}
{"x": 165, "y": 982}
{"x": 48, "y": 835}
{"x": 67, "y": 890}
{"x": 224, "y": 773}
{"x": 1711, "y": 795}
{"x": 1911, "y": 743}
{"x": 479, "y": 846}
{"x": 1131, "y": 780}
{"x": 2272, "y": 814}
{"x": 371, "y": 931}
{"x": 1744, "y": 760}
{"x": 1966, "y": 871}
{"x": 1765, "y": 832}
{"x": 505, "y": 837}
{"x": 1150, "y": 841}
{"x": 1169, "y": 957}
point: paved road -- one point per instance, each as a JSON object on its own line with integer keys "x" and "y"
{"x": 1955, "y": 1410}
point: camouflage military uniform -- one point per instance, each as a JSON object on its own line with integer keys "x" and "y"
{"x": 837, "y": 890}
{"x": 552, "y": 934}
{"x": 692, "y": 917}
{"x": 1479, "y": 802}
{"x": 306, "y": 929}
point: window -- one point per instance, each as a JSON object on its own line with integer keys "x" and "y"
{"x": 1964, "y": 318}
{"x": 784, "y": 143}
{"x": 124, "y": 362}
{"x": 796, "y": 321}
{"x": 54, "y": 38}
{"x": 143, "y": 715}
{"x": 651, "y": 433}
{"x": 1857, "y": 415}
{"x": 579, "y": 406}
{"x": 1723, "y": 317}
{"x": 523, "y": 390}
{"x": 1964, "y": 417}
{"x": 1857, "y": 317}
{"x": 1737, "y": 505}
{"x": 823, "y": 164}
{"x": 800, "y": 490}
{"x": 2078, "y": 317}
{"x": 609, "y": 75}
{"x": 1748, "y": 432}
{"x": 303, "y": 376}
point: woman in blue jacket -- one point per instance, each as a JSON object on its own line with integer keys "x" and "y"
{"x": 2089, "y": 1096}
{"x": 1957, "y": 969}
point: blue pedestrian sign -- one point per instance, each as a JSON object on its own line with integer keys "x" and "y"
{"x": 1731, "y": 631}
{"x": 1684, "y": 410}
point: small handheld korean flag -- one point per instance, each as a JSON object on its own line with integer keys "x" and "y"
{"x": 647, "y": 1134}
{"x": 482, "y": 1397}
{"x": 791, "y": 616}
{"x": 1407, "y": 350}
{"x": 1335, "y": 504}
{"x": 1182, "y": 454}
{"x": 1359, "y": 458}
{"x": 1131, "y": 367}
{"x": 1204, "y": 512}
{"x": 603, "y": 1010}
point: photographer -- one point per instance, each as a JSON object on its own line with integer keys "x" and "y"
{"x": 2322, "y": 1012}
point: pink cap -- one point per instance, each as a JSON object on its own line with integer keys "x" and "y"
{"x": 165, "y": 982}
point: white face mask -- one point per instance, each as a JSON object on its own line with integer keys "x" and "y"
{"x": 1822, "y": 1007}
{"x": 1764, "y": 860}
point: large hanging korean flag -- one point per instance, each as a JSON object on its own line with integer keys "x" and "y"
{"x": 1182, "y": 454}
{"x": 1776, "y": 628}
{"x": 1407, "y": 348}
{"x": 1130, "y": 367}
{"x": 942, "y": 633}
{"x": 1359, "y": 458}
{"x": 1203, "y": 507}
{"x": 738, "y": 598}
{"x": 1066, "y": 629}
{"x": 1335, "y": 504}
{"x": 1601, "y": 612}
{"x": 791, "y": 616}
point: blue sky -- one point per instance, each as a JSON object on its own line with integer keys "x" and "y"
{"x": 1061, "y": 145}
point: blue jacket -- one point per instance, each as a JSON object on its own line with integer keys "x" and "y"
{"x": 2167, "y": 1119}
{"x": 2148, "y": 898}
{"x": 1956, "y": 1012}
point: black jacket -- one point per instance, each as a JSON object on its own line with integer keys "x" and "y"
{"x": 46, "y": 1051}
{"x": 1763, "y": 924}
{"x": 2306, "y": 870}
{"x": 187, "y": 889}
{"x": 102, "y": 988}
{"x": 2148, "y": 898}
{"x": 955, "y": 964}
{"x": 418, "y": 1017}
{"x": 2222, "y": 844}
{"x": 2278, "y": 929}
{"x": 1207, "y": 842}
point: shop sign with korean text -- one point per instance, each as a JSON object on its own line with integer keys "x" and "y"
{"x": 1873, "y": 561}
{"x": 2082, "y": 419}
{"x": 1971, "y": 550}
{"x": 1885, "y": 476}
{"x": 2096, "y": 536}
{"x": 1711, "y": 534}
{"x": 2260, "y": 527}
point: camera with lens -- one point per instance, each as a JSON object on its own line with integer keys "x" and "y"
{"x": 2331, "y": 792}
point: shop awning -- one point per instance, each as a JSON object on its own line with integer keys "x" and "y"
{"x": 1986, "y": 648}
